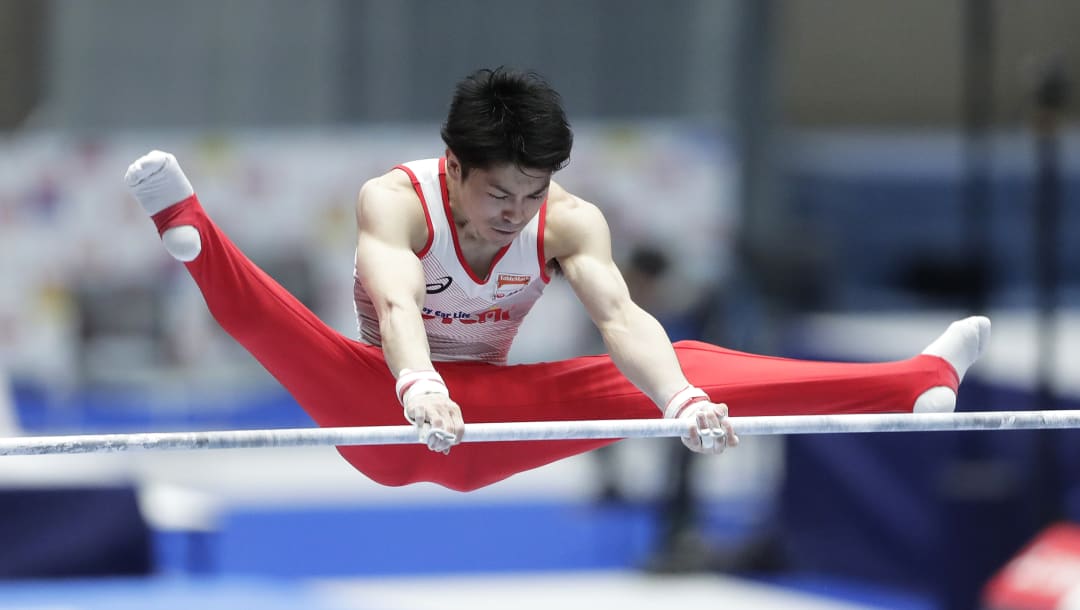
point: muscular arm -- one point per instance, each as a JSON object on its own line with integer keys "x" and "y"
{"x": 387, "y": 230}
{"x": 390, "y": 230}
{"x": 581, "y": 242}
{"x": 637, "y": 343}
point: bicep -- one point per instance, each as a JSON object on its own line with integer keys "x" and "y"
{"x": 592, "y": 273}
{"x": 391, "y": 274}
{"x": 385, "y": 263}
{"x": 599, "y": 286}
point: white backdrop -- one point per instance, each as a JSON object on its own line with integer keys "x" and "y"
{"x": 66, "y": 222}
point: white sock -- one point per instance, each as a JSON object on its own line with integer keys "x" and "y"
{"x": 960, "y": 345}
{"x": 157, "y": 182}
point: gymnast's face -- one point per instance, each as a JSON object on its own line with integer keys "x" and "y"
{"x": 493, "y": 205}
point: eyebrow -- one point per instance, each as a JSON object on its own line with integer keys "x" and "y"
{"x": 533, "y": 194}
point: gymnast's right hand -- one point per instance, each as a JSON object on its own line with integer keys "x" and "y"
{"x": 427, "y": 404}
{"x": 437, "y": 419}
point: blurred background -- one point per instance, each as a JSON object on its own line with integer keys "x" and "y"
{"x": 832, "y": 179}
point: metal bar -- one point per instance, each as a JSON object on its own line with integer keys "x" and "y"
{"x": 535, "y": 431}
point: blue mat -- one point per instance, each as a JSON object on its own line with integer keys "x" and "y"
{"x": 165, "y": 594}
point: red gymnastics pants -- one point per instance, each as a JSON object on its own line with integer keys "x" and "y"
{"x": 342, "y": 382}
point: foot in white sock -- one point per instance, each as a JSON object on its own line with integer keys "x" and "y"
{"x": 157, "y": 182}
{"x": 960, "y": 345}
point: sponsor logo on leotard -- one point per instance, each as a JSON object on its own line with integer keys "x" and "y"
{"x": 509, "y": 284}
{"x": 495, "y": 314}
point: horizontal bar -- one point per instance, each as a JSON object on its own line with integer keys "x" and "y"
{"x": 537, "y": 431}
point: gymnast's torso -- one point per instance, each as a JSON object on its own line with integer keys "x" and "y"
{"x": 466, "y": 317}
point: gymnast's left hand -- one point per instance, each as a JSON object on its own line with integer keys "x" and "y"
{"x": 711, "y": 431}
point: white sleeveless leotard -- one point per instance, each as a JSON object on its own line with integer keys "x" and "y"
{"x": 466, "y": 317}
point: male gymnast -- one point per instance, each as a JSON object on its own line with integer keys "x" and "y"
{"x": 451, "y": 254}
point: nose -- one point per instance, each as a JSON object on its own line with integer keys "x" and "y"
{"x": 514, "y": 213}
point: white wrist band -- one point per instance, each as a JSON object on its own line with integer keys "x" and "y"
{"x": 417, "y": 383}
{"x": 682, "y": 398}
{"x": 414, "y": 383}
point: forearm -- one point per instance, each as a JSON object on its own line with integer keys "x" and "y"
{"x": 404, "y": 340}
{"x": 422, "y": 392}
{"x": 642, "y": 351}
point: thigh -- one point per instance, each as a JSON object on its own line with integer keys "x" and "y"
{"x": 751, "y": 384}
{"x": 337, "y": 380}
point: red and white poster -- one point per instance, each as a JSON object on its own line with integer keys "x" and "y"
{"x": 1044, "y": 576}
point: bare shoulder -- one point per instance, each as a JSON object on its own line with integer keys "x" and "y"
{"x": 388, "y": 205}
{"x": 391, "y": 190}
{"x": 571, "y": 223}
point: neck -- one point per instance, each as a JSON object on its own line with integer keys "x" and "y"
{"x": 456, "y": 217}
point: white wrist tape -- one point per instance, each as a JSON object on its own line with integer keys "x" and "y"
{"x": 682, "y": 399}
{"x": 417, "y": 383}
{"x": 414, "y": 383}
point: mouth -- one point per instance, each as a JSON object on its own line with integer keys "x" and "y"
{"x": 502, "y": 231}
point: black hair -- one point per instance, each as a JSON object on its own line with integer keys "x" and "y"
{"x": 504, "y": 116}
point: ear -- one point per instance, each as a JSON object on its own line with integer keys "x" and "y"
{"x": 453, "y": 166}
